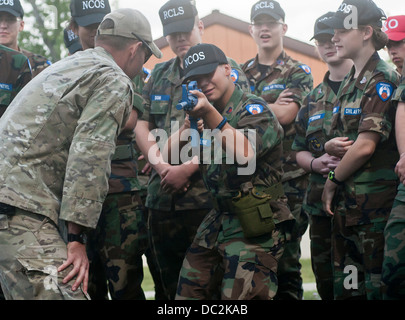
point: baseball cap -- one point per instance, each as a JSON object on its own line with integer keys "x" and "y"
{"x": 203, "y": 59}
{"x": 270, "y": 8}
{"x": 367, "y": 14}
{"x": 395, "y": 28}
{"x": 132, "y": 24}
{"x": 321, "y": 28}
{"x": 177, "y": 16}
{"x": 12, "y": 6}
{"x": 88, "y": 12}
{"x": 72, "y": 41}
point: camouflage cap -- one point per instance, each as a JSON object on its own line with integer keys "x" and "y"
{"x": 132, "y": 24}
{"x": 13, "y": 7}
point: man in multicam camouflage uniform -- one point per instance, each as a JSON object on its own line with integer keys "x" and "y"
{"x": 15, "y": 74}
{"x": 228, "y": 258}
{"x": 43, "y": 180}
{"x": 283, "y": 83}
{"x": 312, "y": 126}
{"x": 173, "y": 217}
{"x": 393, "y": 273}
{"x": 11, "y": 23}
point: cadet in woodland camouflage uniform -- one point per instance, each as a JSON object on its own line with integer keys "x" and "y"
{"x": 12, "y": 14}
{"x": 43, "y": 180}
{"x": 365, "y": 175}
{"x": 15, "y": 74}
{"x": 235, "y": 252}
{"x": 393, "y": 274}
{"x": 173, "y": 216}
{"x": 283, "y": 83}
{"x": 313, "y": 125}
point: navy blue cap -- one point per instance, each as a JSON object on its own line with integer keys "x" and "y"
{"x": 88, "y": 12}
{"x": 12, "y": 6}
{"x": 321, "y": 28}
{"x": 367, "y": 14}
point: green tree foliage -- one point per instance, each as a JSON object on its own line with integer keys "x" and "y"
{"x": 44, "y": 24}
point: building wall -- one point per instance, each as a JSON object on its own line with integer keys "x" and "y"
{"x": 241, "y": 47}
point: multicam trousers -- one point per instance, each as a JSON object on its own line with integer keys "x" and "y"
{"x": 31, "y": 252}
{"x": 222, "y": 264}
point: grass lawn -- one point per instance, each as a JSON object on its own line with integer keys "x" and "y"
{"x": 307, "y": 276}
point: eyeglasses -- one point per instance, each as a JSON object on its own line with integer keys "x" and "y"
{"x": 145, "y": 45}
{"x": 268, "y": 23}
{"x": 396, "y": 44}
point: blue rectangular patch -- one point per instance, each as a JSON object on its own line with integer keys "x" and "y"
{"x": 336, "y": 110}
{"x": 352, "y": 111}
{"x": 160, "y": 98}
{"x": 5, "y": 86}
{"x": 274, "y": 87}
{"x": 317, "y": 117}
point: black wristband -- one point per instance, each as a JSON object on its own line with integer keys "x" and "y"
{"x": 222, "y": 124}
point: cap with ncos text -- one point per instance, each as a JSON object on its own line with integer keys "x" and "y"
{"x": 132, "y": 24}
{"x": 203, "y": 59}
{"x": 177, "y": 16}
{"x": 354, "y": 13}
{"x": 88, "y": 12}
{"x": 13, "y": 7}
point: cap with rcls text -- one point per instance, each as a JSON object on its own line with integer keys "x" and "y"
{"x": 177, "y": 16}
{"x": 132, "y": 24}
{"x": 13, "y": 7}
{"x": 354, "y": 13}
{"x": 320, "y": 28}
{"x": 203, "y": 59}
{"x": 269, "y": 8}
{"x": 88, "y": 12}
{"x": 395, "y": 28}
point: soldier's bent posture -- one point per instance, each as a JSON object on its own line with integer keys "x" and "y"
{"x": 57, "y": 138}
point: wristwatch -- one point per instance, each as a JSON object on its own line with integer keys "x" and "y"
{"x": 81, "y": 238}
{"x": 332, "y": 178}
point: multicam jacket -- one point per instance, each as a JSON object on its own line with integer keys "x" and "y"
{"x": 58, "y": 136}
{"x": 162, "y": 93}
{"x": 365, "y": 105}
{"x": 314, "y": 128}
{"x": 248, "y": 112}
{"x": 14, "y": 75}
{"x": 285, "y": 73}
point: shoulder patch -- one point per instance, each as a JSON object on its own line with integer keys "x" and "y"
{"x": 255, "y": 109}
{"x": 385, "y": 90}
{"x": 235, "y": 75}
{"x": 306, "y": 68}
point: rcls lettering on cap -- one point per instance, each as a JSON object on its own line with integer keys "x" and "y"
{"x": 177, "y": 16}
{"x": 270, "y": 8}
